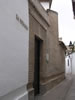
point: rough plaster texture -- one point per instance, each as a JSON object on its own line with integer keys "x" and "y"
{"x": 56, "y": 52}
{"x": 52, "y": 58}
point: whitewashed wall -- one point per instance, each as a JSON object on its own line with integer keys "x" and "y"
{"x": 73, "y": 63}
{"x": 14, "y": 44}
{"x": 68, "y": 66}
{"x": 71, "y": 67}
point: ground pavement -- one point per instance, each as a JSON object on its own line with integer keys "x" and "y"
{"x": 59, "y": 92}
{"x": 71, "y": 93}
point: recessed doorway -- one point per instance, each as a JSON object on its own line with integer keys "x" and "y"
{"x": 37, "y": 66}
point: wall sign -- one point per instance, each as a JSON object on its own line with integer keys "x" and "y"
{"x": 21, "y": 22}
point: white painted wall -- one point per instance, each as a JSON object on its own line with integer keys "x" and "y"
{"x": 71, "y": 67}
{"x": 14, "y": 44}
{"x": 73, "y": 63}
{"x": 68, "y": 67}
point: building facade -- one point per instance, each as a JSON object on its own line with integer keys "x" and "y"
{"x": 70, "y": 59}
{"x": 14, "y": 43}
{"x": 46, "y": 53}
{"x": 70, "y": 64}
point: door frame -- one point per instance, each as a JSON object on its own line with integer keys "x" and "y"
{"x": 37, "y": 39}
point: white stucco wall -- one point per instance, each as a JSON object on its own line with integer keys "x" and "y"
{"x": 71, "y": 67}
{"x": 73, "y": 63}
{"x": 14, "y": 44}
{"x": 68, "y": 67}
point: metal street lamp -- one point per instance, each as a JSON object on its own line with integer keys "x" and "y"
{"x": 50, "y": 2}
{"x": 73, "y": 4}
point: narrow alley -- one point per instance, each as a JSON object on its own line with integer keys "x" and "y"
{"x": 37, "y": 49}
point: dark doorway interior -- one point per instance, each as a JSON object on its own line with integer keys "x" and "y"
{"x": 37, "y": 67}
